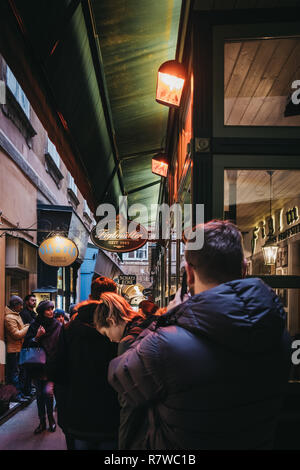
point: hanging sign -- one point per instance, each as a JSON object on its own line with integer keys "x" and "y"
{"x": 118, "y": 239}
{"x": 58, "y": 251}
{"x": 127, "y": 279}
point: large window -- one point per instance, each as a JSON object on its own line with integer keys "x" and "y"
{"x": 51, "y": 150}
{"x": 138, "y": 255}
{"x": 265, "y": 205}
{"x": 260, "y": 82}
{"x": 256, "y": 86}
{"x": 17, "y": 91}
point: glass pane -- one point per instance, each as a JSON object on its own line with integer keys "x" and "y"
{"x": 17, "y": 91}
{"x": 265, "y": 206}
{"x": 59, "y": 301}
{"x": 59, "y": 278}
{"x": 11, "y": 81}
{"x": 261, "y": 78}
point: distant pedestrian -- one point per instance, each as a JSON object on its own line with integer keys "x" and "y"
{"x": 15, "y": 332}
{"x": 28, "y": 314}
{"x": 60, "y": 316}
{"x": 44, "y": 332}
{"x": 148, "y": 307}
{"x": 101, "y": 284}
{"x": 72, "y": 310}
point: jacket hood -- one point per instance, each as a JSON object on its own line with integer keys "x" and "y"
{"x": 8, "y": 311}
{"x": 244, "y": 315}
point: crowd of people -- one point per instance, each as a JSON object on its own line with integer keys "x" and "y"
{"x": 207, "y": 372}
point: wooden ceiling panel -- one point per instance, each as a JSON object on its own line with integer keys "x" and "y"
{"x": 258, "y": 75}
{"x": 253, "y": 193}
{"x": 204, "y": 5}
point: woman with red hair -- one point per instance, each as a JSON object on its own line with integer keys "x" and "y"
{"x": 116, "y": 319}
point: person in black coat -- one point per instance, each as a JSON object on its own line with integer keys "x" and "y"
{"x": 212, "y": 371}
{"x": 87, "y": 405}
{"x": 43, "y": 332}
{"x": 116, "y": 319}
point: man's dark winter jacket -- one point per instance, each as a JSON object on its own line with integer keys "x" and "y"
{"x": 27, "y": 315}
{"x": 212, "y": 371}
{"x": 87, "y": 405}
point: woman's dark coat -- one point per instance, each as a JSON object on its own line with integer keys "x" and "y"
{"x": 88, "y": 406}
{"x": 212, "y": 371}
{"x": 48, "y": 342}
{"x": 133, "y": 421}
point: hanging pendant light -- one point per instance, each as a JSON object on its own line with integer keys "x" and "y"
{"x": 270, "y": 248}
{"x": 170, "y": 81}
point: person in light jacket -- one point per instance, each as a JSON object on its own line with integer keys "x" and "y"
{"x": 15, "y": 332}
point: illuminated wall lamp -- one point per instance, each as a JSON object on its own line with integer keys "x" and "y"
{"x": 160, "y": 165}
{"x": 170, "y": 81}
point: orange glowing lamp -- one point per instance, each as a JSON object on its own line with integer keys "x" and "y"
{"x": 160, "y": 165}
{"x": 170, "y": 82}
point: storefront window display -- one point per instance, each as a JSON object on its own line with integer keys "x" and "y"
{"x": 268, "y": 208}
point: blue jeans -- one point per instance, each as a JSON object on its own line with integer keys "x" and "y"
{"x": 12, "y": 370}
{"x": 95, "y": 445}
{"x": 44, "y": 397}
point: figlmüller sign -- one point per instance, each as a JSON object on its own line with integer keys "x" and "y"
{"x": 58, "y": 251}
{"x": 118, "y": 240}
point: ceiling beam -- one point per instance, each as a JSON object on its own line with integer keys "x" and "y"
{"x": 61, "y": 29}
{"x": 140, "y": 154}
{"x": 100, "y": 74}
{"x": 140, "y": 188}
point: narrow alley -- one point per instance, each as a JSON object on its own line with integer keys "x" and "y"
{"x": 17, "y": 433}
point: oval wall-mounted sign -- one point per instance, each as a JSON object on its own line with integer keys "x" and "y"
{"x": 120, "y": 242}
{"x": 58, "y": 251}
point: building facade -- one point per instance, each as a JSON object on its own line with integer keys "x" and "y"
{"x": 38, "y": 197}
{"x": 233, "y": 145}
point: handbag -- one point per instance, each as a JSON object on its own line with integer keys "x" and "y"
{"x": 32, "y": 356}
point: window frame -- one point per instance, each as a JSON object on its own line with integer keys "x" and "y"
{"x": 18, "y": 93}
{"x": 135, "y": 258}
{"x": 244, "y": 32}
{"x": 71, "y": 184}
{"x": 245, "y": 162}
{"x": 52, "y": 151}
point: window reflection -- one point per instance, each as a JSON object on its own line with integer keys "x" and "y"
{"x": 259, "y": 76}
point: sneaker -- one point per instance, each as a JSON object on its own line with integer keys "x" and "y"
{"x": 20, "y": 399}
